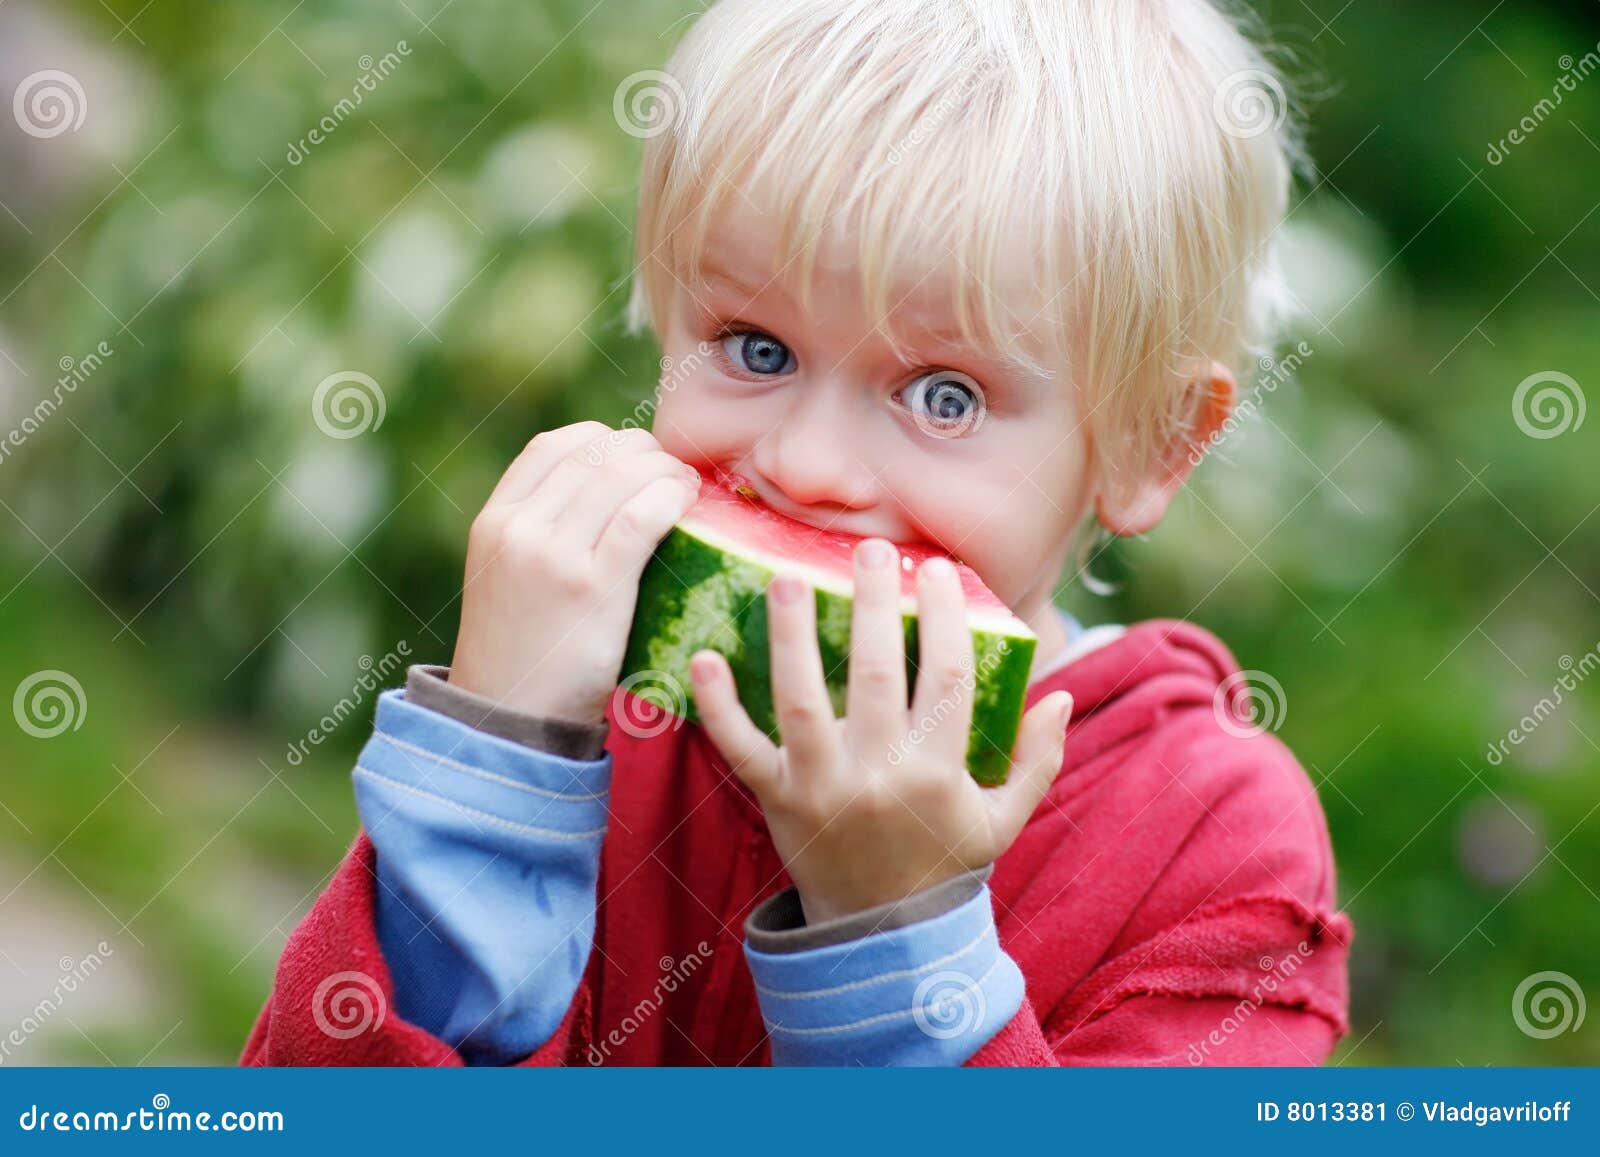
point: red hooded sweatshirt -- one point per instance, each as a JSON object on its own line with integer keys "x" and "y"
{"x": 1170, "y": 902}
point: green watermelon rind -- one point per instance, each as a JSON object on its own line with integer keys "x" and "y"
{"x": 695, "y": 595}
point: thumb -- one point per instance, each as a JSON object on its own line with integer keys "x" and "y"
{"x": 1035, "y": 766}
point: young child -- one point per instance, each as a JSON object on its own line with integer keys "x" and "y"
{"x": 971, "y": 273}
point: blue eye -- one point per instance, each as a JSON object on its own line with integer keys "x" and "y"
{"x": 758, "y": 353}
{"x": 945, "y": 404}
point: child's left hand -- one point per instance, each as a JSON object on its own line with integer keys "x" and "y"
{"x": 862, "y": 810}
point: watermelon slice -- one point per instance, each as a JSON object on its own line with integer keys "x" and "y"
{"x": 705, "y": 589}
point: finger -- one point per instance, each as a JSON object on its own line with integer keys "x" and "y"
{"x": 640, "y": 524}
{"x": 942, "y": 706}
{"x": 1034, "y": 768}
{"x": 799, "y": 689}
{"x": 750, "y": 754}
{"x": 875, "y": 694}
{"x": 539, "y": 457}
{"x": 551, "y": 499}
{"x": 598, "y": 501}
{"x": 564, "y": 460}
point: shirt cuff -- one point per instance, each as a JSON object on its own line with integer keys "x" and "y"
{"x": 779, "y": 923}
{"x": 428, "y": 685}
{"x": 932, "y": 992}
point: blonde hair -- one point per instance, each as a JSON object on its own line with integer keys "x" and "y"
{"x": 1142, "y": 151}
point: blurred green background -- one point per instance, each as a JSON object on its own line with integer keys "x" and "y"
{"x": 1397, "y": 539}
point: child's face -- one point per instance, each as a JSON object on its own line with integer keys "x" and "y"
{"x": 830, "y": 426}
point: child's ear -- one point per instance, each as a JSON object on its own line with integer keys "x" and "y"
{"x": 1137, "y": 508}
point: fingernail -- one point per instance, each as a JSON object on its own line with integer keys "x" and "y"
{"x": 939, "y": 568}
{"x": 1066, "y": 710}
{"x": 875, "y": 553}
{"x": 702, "y": 667}
{"x": 786, "y": 589}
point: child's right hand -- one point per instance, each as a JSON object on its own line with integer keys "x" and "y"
{"x": 553, "y": 565}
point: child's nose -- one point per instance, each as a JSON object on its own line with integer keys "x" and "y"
{"x": 812, "y": 451}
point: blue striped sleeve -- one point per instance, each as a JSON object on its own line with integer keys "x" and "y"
{"x": 929, "y": 993}
{"x": 488, "y": 857}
